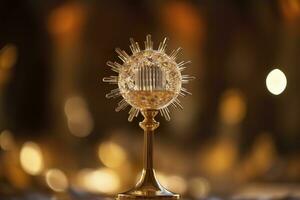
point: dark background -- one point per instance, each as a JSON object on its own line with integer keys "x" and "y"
{"x": 232, "y": 132}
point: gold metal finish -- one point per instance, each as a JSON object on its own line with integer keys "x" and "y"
{"x": 150, "y": 81}
{"x": 148, "y": 186}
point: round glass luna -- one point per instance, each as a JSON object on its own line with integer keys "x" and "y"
{"x": 148, "y": 79}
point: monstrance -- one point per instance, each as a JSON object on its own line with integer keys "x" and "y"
{"x": 150, "y": 81}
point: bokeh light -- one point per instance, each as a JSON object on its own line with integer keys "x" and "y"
{"x": 218, "y": 158}
{"x": 111, "y": 154}
{"x": 31, "y": 158}
{"x": 276, "y": 81}
{"x": 79, "y": 119}
{"x": 199, "y": 187}
{"x": 233, "y": 107}
{"x": 290, "y": 9}
{"x": 6, "y": 140}
{"x": 56, "y": 180}
{"x": 103, "y": 180}
{"x": 172, "y": 182}
{"x": 8, "y": 56}
{"x": 66, "y": 20}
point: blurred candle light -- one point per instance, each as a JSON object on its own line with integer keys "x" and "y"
{"x": 276, "y": 82}
{"x": 183, "y": 20}
{"x": 6, "y": 140}
{"x": 66, "y": 20}
{"x": 199, "y": 187}
{"x": 56, "y": 180}
{"x": 162, "y": 178}
{"x": 80, "y": 121}
{"x": 111, "y": 154}
{"x": 290, "y": 10}
{"x": 8, "y": 56}
{"x": 232, "y": 107}
{"x": 31, "y": 158}
{"x": 103, "y": 180}
{"x": 263, "y": 153}
{"x": 219, "y": 158}
{"x": 172, "y": 182}
{"x": 176, "y": 183}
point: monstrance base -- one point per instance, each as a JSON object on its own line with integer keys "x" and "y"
{"x": 144, "y": 197}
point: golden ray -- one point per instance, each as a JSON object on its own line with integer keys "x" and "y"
{"x": 111, "y": 80}
{"x": 162, "y": 45}
{"x": 122, "y": 54}
{"x": 184, "y": 92}
{"x": 174, "y": 53}
{"x": 133, "y": 112}
{"x": 186, "y": 78}
{"x": 121, "y": 105}
{"x": 134, "y": 47}
{"x": 114, "y": 66}
{"x": 148, "y": 43}
{"x": 181, "y": 65}
{"x": 113, "y": 93}
{"x": 177, "y": 103}
{"x": 165, "y": 112}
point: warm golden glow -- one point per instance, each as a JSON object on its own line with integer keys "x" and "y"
{"x": 219, "y": 158}
{"x": 8, "y": 56}
{"x": 6, "y": 140}
{"x": 233, "y": 107}
{"x": 183, "y": 21}
{"x": 103, "y": 180}
{"x": 80, "y": 121}
{"x": 66, "y": 20}
{"x": 111, "y": 154}
{"x": 56, "y": 180}
{"x": 199, "y": 187}
{"x": 263, "y": 153}
{"x": 276, "y": 82}
{"x": 290, "y": 10}
{"x": 31, "y": 158}
{"x": 172, "y": 183}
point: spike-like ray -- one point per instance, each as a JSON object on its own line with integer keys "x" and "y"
{"x": 114, "y": 66}
{"x": 148, "y": 43}
{"x": 177, "y": 103}
{"x": 162, "y": 45}
{"x": 166, "y": 113}
{"x": 113, "y": 93}
{"x": 137, "y": 46}
{"x": 134, "y": 46}
{"x": 186, "y": 78}
{"x": 182, "y": 63}
{"x": 111, "y": 79}
{"x": 184, "y": 92}
{"x": 133, "y": 112}
{"x": 122, "y": 54}
{"x": 121, "y": 105}
{"x": 174, "y": 105}
{"x": 174, "y": 53}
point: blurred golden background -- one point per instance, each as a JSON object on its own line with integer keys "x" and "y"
{"x": 238, "y": 135}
